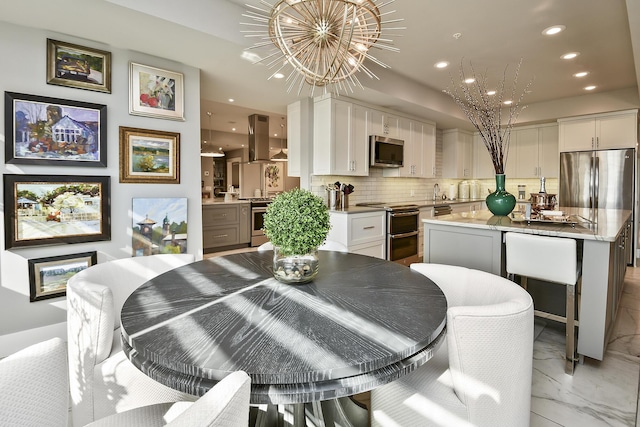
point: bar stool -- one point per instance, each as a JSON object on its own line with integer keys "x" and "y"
{"x": 551, "y": 259}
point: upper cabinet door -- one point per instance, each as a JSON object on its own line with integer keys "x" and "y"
{"x": 577, "y": 135}
{"x": 524, "y": 151}
{"x": 619, "y": 131}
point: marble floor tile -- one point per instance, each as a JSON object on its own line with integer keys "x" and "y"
{"x": 598, "y": 394}
{"x": 625, "y": 337}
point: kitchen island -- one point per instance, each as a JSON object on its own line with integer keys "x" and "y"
{"x": 475, "y": 240}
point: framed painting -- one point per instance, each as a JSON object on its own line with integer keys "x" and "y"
{"x": 54, "y": 132}
{"x": 154, "y": 92}
{"x": 77, "y": 66}
{"x": 48, "y": 276}
{"x": 273, "y": 178}
{"x": 55, "y": 209}
{"x": 149, "y": 156}
{"x": 159, "y": 226}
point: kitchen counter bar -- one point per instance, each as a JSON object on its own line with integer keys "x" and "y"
{"x": 607, "y": 224}
{"x": 475, "y": 240}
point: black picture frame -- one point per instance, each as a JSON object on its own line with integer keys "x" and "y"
{"x": 54, "y": 132}
{"x": 56, "y": 209}
{"x": 48, "y": 276}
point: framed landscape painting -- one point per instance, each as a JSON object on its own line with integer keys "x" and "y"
{"x": 55, "y": 209}
{"x": 159, "y": 226}
{"x": 77, "y": 66}
{"x": 48, "y": 276}
{"x": 154, "y": 92}
{"x": 54, "y": 132}
{"x": 149, "y": 156}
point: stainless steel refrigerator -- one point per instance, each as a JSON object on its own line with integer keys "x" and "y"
{"x": 603, "y": 179}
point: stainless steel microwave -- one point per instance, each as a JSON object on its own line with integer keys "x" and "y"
{"x": 386, "y": 152}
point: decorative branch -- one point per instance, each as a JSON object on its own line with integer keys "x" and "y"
{"x": 484, "y": 111}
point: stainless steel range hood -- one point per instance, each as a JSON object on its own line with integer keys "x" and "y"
{"x": 258, "y": 138}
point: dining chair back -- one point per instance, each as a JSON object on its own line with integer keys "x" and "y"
{"x": 34, "y": 386}
{"x": 555, "y": 260}
{"x": 482, "y": 376}
{"x": 224, "y": 405}
{"x": 102, "y": 380}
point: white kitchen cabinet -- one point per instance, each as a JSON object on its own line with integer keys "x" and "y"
{"x": 386, "y": 124}
{"x": 425, "y": 213}
{"x": 599, "y": 131}
{"x": 337, "y": 148}
{"x": 294, "y": 138}
{"x": 536, "y": 151}
{"x": 419, "y": 151}
{"x": 482, "y": 165}
{"x": 362, "y": 233}
{"x": 457, "y": 153}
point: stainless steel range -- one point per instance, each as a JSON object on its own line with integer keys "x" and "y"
{"x": 402, "y": 231}
{"x": 258, "y": 208}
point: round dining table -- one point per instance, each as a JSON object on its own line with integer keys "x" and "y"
{"x": 361, "y": 323}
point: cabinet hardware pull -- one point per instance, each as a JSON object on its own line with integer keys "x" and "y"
{"x": 368, "y": 228}
{"x": 220, "y": 236}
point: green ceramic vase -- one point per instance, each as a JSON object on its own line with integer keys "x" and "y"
{"x": 500, "y": 202}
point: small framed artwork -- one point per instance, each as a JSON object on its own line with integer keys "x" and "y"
{"x": 48, "y": 276}
{"x": 55, "y": 209}
{"x": 159, "y": 226}
{"x": 154, "y": 92}
{"x": 273, "y": 178}
{"x": 77, "y": 66}
{"x": 149, "y": 156}
{"x": 54, "y": 132}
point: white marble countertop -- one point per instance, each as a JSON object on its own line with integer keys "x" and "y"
{"x": 606, "y": 227}
{"x": 356, "y": 210}
{"x": 209, "y": 202}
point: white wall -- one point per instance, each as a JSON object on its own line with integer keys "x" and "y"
{"x": 24, "y": 71}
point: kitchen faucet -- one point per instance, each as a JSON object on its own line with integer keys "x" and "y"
{"x": 436, "y": 190}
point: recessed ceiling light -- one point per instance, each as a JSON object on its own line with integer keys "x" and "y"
{"x": 469, "y": 80}
{"x": 508, "y": 102}
{"x": 441, "y": 64}
{"x": 278, "y": 76}
{"x": 553, "y": 30}
{"x": 581, "y": 74}
{"x": 590, "y": 87}
{"x": 570, "y": 55}
{"x": 233, "y": 129}
{"x": 231, "y": 100}
{"x": 491, "y": 92}
{"x": 457, "y": 36}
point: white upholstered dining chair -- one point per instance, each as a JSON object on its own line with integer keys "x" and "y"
{"x": 225, "y": 405}
{"x": 102, "y": 380}
{"x": 34, "y": 386}
{"x": 482, "y": 375}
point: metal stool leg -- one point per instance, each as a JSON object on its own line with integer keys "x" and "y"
{"x": 570, "y": 334}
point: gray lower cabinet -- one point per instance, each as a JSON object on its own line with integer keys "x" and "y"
{"x": 225, "y": 225}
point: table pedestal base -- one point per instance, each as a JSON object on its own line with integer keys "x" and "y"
{"x": 327, "y": 413}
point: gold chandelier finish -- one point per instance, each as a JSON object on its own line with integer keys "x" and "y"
{"x": 325, "y": 41}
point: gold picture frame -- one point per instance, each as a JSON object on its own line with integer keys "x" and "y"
{"x": 154, "y": 92}
{"x": 78, "y": 66}
{"x": 149, "y": 156}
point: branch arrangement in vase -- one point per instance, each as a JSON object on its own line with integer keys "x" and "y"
{"x": 484, "y": 107}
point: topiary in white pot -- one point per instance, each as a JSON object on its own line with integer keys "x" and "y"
{"x": 296, "y": 223}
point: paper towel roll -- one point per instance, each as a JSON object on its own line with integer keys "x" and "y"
{"x": 453, "y": 192}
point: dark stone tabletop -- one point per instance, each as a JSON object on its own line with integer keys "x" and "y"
{"x": 361, "y": 323}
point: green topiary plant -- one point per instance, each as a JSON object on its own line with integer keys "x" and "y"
{"x": 297, "y": 222}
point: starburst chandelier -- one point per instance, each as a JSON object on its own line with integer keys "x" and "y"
{"x": 325, "y": 41}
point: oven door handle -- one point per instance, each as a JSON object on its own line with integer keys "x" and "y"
{"x": 411, "y": 213}
{"x": 400, "y": 236}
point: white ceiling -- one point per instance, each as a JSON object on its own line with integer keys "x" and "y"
{"x": 494, "y": 33}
